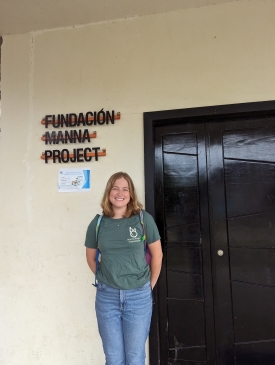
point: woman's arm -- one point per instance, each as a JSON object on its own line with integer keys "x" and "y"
{"x": 156, "y": 252}
{"x": 91, "y": 256}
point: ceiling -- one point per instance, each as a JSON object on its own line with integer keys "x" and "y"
{"x": 22, "y": 16}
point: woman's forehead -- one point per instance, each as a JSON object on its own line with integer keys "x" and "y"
{"x": 121, "y": 182}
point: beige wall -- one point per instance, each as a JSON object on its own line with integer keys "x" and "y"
{"x": 212, "y": 55}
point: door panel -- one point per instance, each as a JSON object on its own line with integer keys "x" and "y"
{"x": 215, "y": 202}
{"x": 250, "y": 265}
{"x": 180, "y": 143}
{"x": 184, "y": 233}
{"x": 184, "y": 272}
{"x": 250, "y": 144}
{"x": 258, "y": 354}
{"x": 249, "y": 197}
{"x": 249, "y": 187}
{"x": 253, "y": 313}
{"x": 178, "y": 336}
{"x": 182, "y": 170}
{"x": 253, "y": 231}
{"x": 181, "y": 205}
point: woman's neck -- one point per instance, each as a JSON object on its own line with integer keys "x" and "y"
{"x": 118, "y": 212}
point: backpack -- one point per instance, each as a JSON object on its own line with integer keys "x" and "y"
{"x": 143, "y": 238}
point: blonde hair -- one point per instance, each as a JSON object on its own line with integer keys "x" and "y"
{"x": 133, "y": 207}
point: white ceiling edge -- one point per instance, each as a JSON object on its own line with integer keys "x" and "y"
{"x": 23, "y": 16}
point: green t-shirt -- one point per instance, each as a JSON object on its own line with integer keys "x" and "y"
{"x": 123, "y": 264}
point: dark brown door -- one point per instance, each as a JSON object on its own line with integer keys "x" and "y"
{"x": 214, "y": 199}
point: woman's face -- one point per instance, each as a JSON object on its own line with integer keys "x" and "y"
{"x": 120, "y": 194}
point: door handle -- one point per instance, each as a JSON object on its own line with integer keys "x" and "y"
{"x": 220, "y": 252}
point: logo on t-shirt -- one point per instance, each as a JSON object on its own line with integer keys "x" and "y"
{"x": 133, "y": 232}
{"x": 135, "y": 236}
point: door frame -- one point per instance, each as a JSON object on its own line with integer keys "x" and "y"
{"x": 152, "y": 120}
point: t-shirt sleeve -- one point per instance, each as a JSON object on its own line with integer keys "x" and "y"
{"x": 90, "y": 241}
{"x": 151, "y": 229}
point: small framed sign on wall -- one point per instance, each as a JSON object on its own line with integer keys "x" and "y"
{"x": 74, "y": 180}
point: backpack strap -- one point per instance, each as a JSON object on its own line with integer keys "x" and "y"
{"x": 147, "y": 252}
{"x": 98, "y": 253}
{"x": 143, "y": 238}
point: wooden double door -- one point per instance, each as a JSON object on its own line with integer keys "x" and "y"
{"x": 214, "y": 196}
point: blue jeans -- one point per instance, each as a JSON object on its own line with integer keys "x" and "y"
{"x": 124, "y": 318}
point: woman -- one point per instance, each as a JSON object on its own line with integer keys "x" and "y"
{"x": 125, "y": 281}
